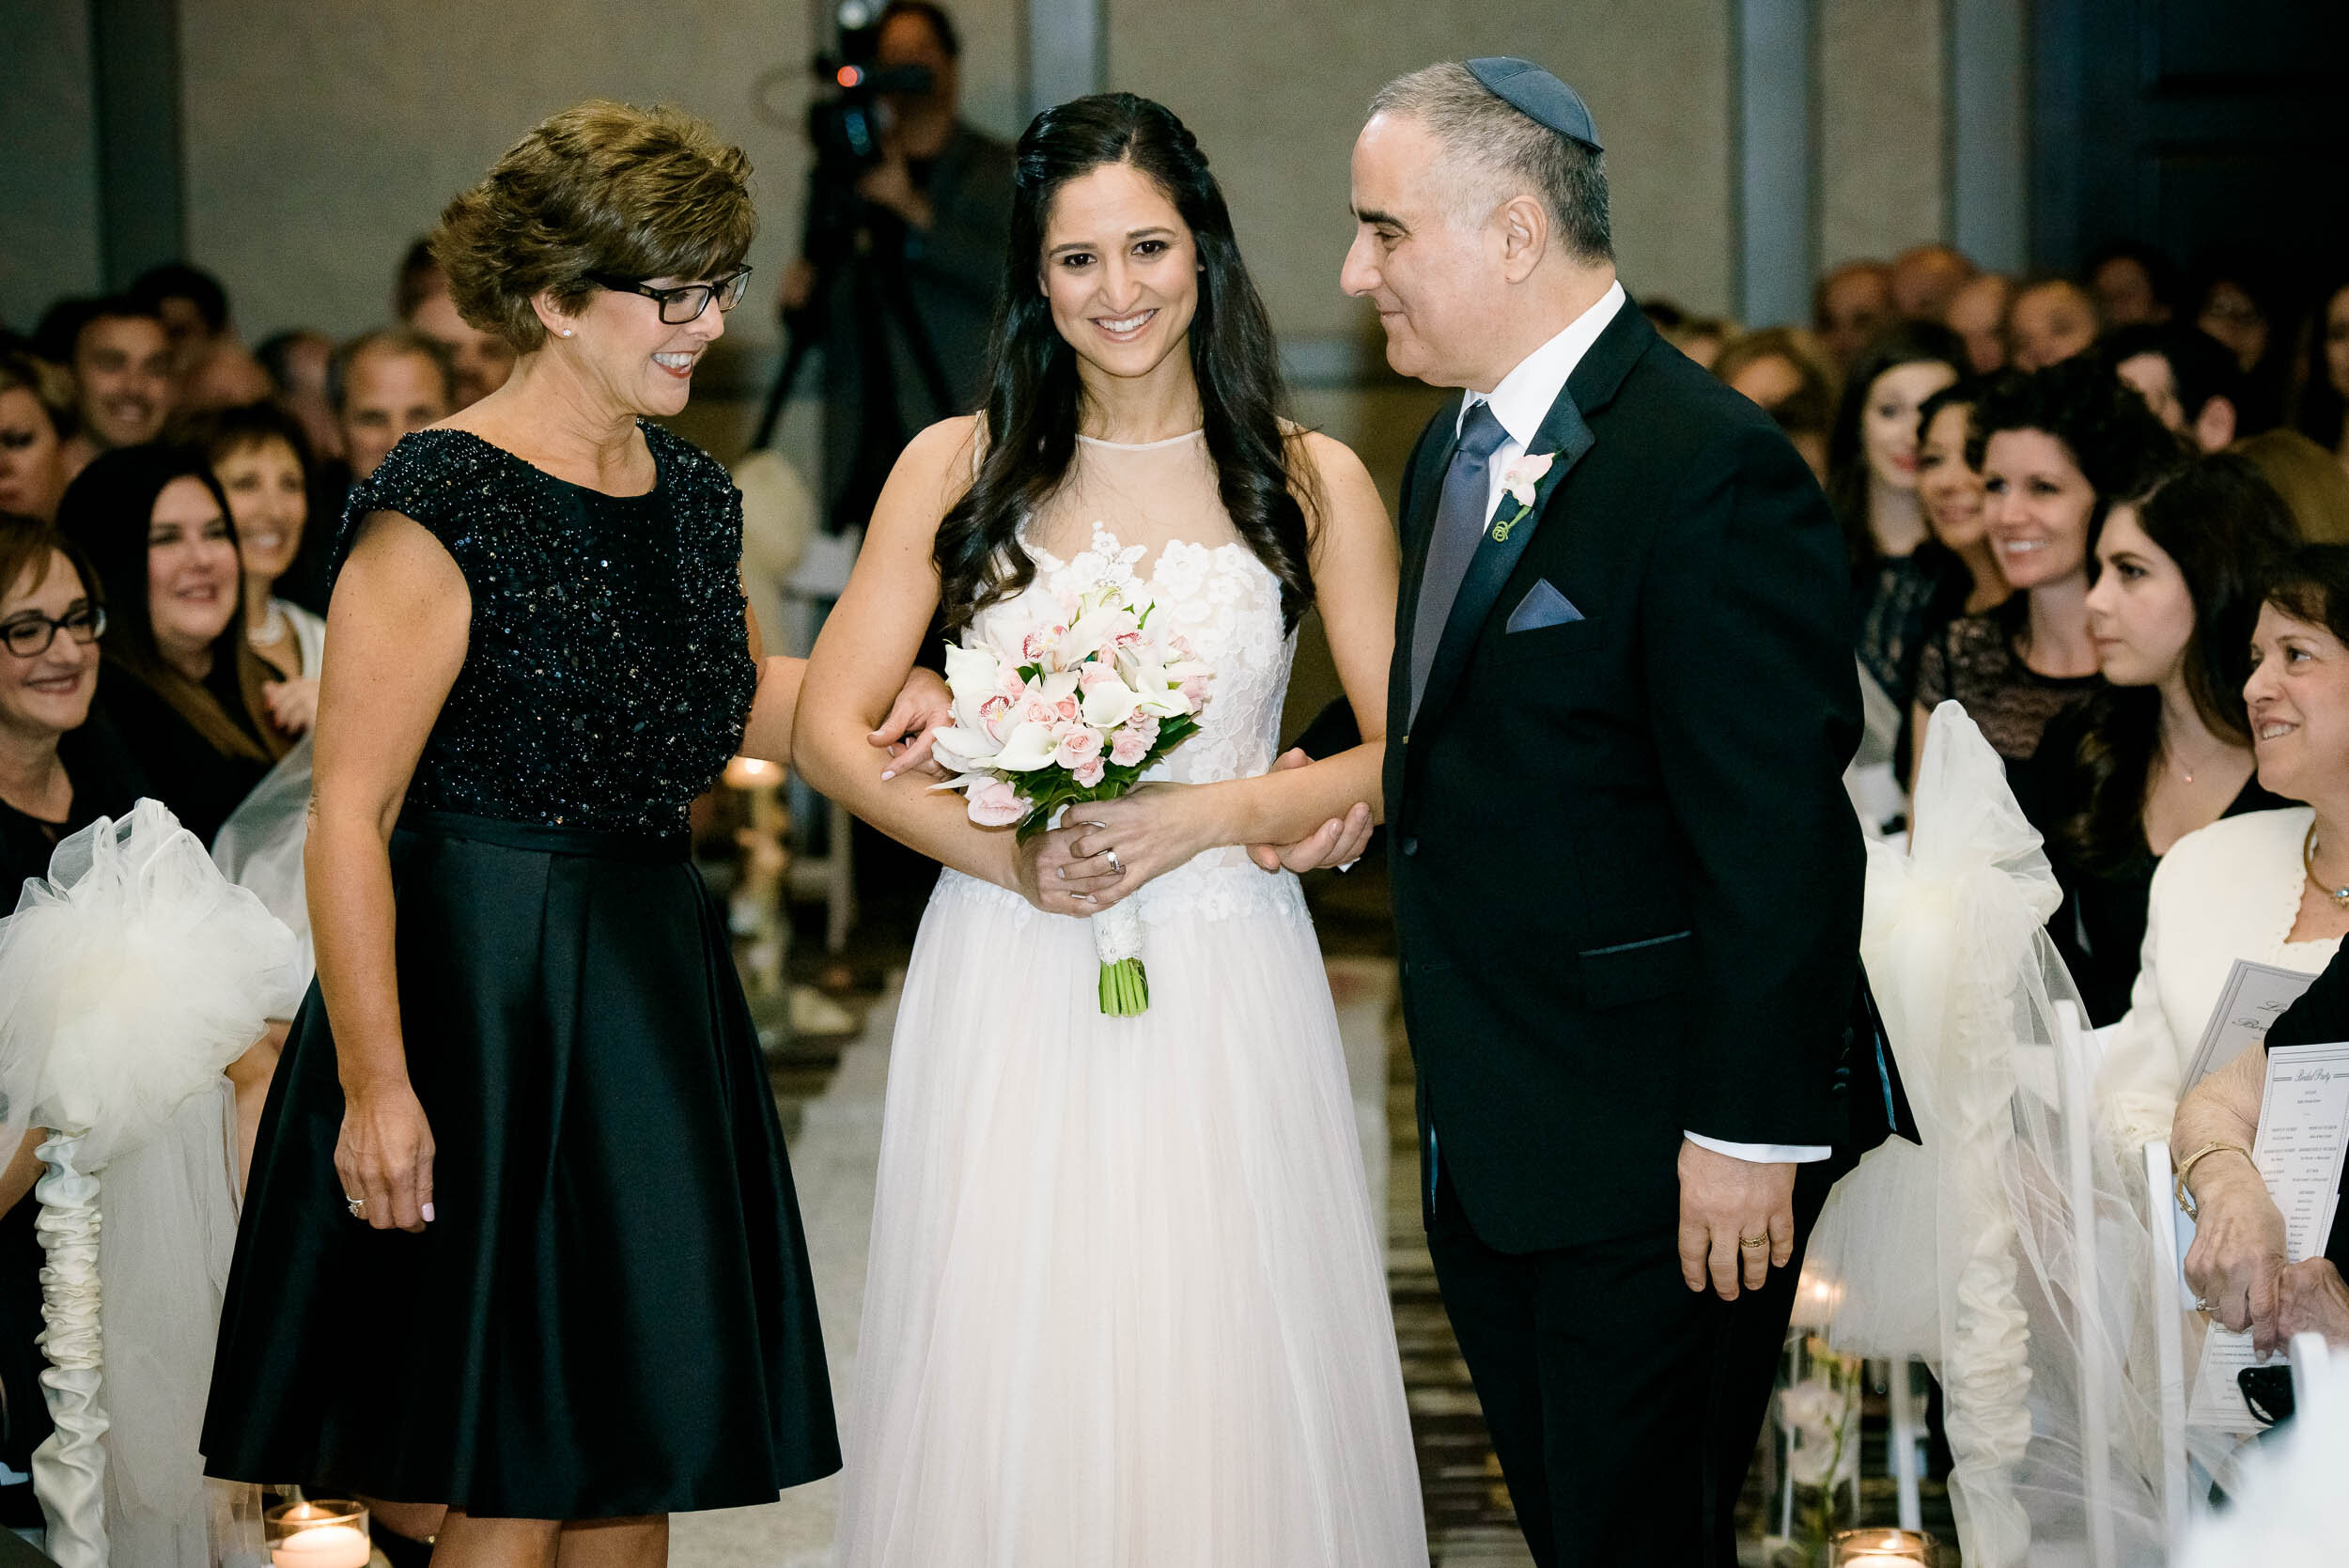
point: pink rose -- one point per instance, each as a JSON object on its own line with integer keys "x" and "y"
{"x": 1130, "y": 746}
{"x": 1090, "y": 774}
{"x": 1196, "y": 692}
{"x": 995, "y": 804}
{"x": 1038, "y": 711}
{"x": 1079, "y": 746}
{"x": 1067, "y": 708}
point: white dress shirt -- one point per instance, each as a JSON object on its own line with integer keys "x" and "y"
{"x": 1521, "y": 402}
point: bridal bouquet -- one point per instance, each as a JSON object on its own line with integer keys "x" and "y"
{"x": 1054, "y": 713}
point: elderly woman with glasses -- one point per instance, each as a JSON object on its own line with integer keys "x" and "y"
{"x": 521, "y": 1237}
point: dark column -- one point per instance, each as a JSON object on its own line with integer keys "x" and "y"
{"x": 134, "y": 62}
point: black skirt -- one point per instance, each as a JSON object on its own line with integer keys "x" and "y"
{"x": 611, "y": 1314}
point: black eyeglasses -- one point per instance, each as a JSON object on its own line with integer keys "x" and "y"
{"x": 29, "y": 635}
{"x": 685, "y": 303}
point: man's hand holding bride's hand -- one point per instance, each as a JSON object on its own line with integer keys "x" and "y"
{"x": 1736, "y": 1219}
{"x": 1339, "y": 841}
{"x": 924, "y": 706}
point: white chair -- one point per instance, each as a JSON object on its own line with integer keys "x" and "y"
{"x": 2166, "y": 1291}
{"x": 822, "y": 577}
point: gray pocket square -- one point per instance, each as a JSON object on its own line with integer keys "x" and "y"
{"x": 1542, "y": 606}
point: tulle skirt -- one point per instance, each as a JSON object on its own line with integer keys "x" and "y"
{"x": 1125, "y": 1307}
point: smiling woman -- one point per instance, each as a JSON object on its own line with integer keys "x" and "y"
{"x": 526, "y": 1084}
{"x": 2056, "y": 449}
{"x": 189, "y": 693}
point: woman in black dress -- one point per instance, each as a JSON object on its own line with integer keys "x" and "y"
{"x": 189, "y": 693}
{"x": 2166, "y": 747}
{"x": 521, "y": 1237}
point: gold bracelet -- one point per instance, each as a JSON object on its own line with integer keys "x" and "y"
{"x": 2186, "y": 1197}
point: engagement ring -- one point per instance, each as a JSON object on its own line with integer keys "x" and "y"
{"x": 1118, "y": 867}
{"x": 357, "y": 1207}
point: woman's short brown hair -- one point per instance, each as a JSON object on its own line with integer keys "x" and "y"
{"x": 28, "y": 553}
{"x": 602, "y": 187}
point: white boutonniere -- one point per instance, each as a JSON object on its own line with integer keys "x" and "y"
{"x": 1522, "y": 482}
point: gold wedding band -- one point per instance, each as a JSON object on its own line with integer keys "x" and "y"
{"x": 1753, "y": 1241}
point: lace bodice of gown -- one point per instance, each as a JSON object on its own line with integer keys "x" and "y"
{"x": 1153, "y": 513}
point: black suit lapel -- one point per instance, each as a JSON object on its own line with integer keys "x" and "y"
{"x": 1563, "y": 432}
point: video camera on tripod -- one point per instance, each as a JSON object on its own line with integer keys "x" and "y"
{"x": 845, "y": 128}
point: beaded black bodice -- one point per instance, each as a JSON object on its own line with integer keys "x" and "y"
{"x": 606, "y": 680}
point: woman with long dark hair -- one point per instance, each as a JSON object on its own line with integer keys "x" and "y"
{"x": 2166, "y": 747}
{"x": 1899, "y": 570}
{"x": 1124, "y": 1300}
{"x": 189, "y": 696}
{"x": 2323, "y": 413}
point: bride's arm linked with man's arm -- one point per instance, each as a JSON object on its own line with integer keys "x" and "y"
{"x": 875, "y": 634}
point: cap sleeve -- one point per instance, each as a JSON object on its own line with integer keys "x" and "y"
{"x": 449, "y": 482}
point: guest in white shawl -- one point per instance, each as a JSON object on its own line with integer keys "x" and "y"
{"x": 2270, "y": 885}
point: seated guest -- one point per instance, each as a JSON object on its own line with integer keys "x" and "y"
{"x": 214, "y": 368}
{"x": 2185, "y": 378}
{"x": 2051, "y": 320}
{"x": 61, "y": 766}
{"x": 2323, "y": 413}
{"x": 1925, "y": 278}
{"x": 1699, "y": 337}
{"x": 1850, "y": 306}
{"x": 36, "y": 417}
{"x": 480, "y": 360}
{"x": 183, "y": 683}
{"x": 58, "y": 773}
{"x": 1951, "y": 493}
{"x": 2166, "y": 748}
{"x": 2237, "y": 1267}
{"x": 1784, "y": 373}
{"x": 2243, "y": 301}
{"x": 2269, "y": 886}
{"x": 1977, "y": 313}
{"x": 2054, "y": 450}
{"x": 1898, "y": 573}
{"x": 386, "y": 385}
{"x": 297, "y": 363}
{"x": 259, "y": 457}
{"x": 123, "y": 386}
{"x": 2135, "y": 285}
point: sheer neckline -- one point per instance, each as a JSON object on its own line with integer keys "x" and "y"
{"x": 1143, "y": 446}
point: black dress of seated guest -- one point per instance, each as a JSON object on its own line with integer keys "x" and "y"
{"x": 106, "y": 782}
{"x": 611, "y": 1314}
{"x": 200, "y": 782}
{"x": 2100, "y": 926}
{"x": 1976, "y": 660}
{"x": 1903, "y": 602}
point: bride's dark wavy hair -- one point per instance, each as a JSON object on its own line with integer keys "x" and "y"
{"x": 1034, "y": 395}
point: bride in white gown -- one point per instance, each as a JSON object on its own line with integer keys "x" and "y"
{"x": 1125, "y": 1307}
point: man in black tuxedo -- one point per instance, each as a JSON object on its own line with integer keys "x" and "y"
{"x": 1626, "y": 877}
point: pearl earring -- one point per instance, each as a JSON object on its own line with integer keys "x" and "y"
{"x": 567, "y": 331}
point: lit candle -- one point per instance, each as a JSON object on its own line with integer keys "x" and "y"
{"x": 324, "y": 1547}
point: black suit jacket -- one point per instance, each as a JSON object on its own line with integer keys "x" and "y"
{"x": 1626, "y": 875}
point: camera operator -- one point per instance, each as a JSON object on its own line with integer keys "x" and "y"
{"x": 899, "y": 274}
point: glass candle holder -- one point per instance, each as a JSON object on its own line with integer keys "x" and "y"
{"x": 1881, "y": 1549}
{"x": 324, "y": 1533}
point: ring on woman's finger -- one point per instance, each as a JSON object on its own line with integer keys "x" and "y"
{"x": 358, "y": 1207}
{"x": 1117, "y": 866}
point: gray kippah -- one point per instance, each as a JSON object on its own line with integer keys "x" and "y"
{"x": 1539, "y": 96}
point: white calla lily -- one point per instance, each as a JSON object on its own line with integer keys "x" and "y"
{"x": 1030, "y": 746}
{"x": 1109, "y": 703}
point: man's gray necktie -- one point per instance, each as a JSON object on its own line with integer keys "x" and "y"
{"x": 1461, "y": 514}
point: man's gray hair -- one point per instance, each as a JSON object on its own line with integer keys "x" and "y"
{"x": 1513, "y": 151}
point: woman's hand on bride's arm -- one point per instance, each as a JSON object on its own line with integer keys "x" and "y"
{"x": 923, "y": 707}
